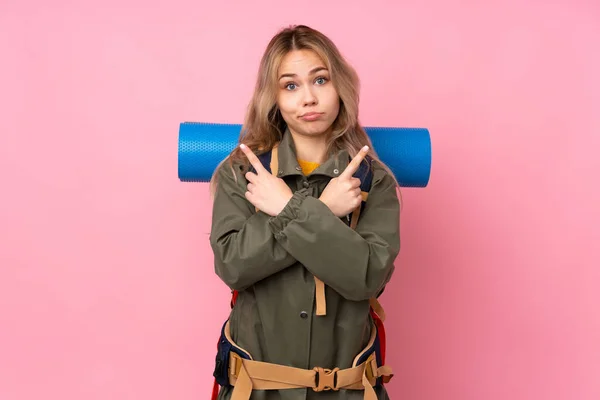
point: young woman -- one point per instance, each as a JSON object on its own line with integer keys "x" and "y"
{"x": 304, "y": 277}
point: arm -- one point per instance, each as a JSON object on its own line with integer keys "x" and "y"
{"x": 356, "y": 263}
{"x": 244, "y": 248}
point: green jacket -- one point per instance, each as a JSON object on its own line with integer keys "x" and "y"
{"x": 272, "y": 262}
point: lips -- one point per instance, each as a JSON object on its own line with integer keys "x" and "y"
{"x": 311, "y": 116}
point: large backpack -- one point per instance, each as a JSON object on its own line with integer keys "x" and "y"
{"x": 269, "y": 161}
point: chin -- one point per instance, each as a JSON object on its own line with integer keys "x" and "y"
{"x": 315, "y": 128}
{"x": 314, "y": 131}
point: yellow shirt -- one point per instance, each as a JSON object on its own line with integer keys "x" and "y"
{"x": 307, "y": 166}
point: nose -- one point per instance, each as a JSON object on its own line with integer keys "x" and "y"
{"x": 309, "y": 97}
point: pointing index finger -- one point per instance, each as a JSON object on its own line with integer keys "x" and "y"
{"x": 355, "y": 163}
{"x": 254, "y": 161}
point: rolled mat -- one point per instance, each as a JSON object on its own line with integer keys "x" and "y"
{"x": 203, "y": 145}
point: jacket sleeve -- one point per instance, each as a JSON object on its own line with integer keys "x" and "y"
{"x": 356, "y": 263}
{"x": 244, "y": 248}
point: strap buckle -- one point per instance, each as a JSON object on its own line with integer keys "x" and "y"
{"x": 326, "y": 379}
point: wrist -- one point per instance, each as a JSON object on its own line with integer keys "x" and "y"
{"x": 290, "y": 212}
{"x": 284, "y": 202}
{"x": 324, "y": 201}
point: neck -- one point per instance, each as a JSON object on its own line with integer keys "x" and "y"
{"x": 310, "y": 148}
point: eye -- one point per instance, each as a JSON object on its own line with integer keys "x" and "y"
{"x": 321, "y": 79}
{"x": 287, "y": 86}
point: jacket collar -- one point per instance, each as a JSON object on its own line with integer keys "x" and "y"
{"x": 288, "y": 160}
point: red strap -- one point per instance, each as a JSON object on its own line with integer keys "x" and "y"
{"x": 234, "y": 296}
{"x": 215, "y": 391}
{"x": 381, "y": 332}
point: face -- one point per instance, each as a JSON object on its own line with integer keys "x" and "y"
{"x": 306, "y": 97}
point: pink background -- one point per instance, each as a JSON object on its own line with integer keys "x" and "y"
{"x": 107, "y": 289}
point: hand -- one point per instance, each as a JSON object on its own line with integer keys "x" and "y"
{"x": 266, "y": 192}
{"x": 342, "y": 194}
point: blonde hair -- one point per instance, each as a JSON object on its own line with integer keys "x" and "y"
{"x": 264, "y": 125}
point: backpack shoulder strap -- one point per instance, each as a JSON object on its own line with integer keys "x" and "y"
{"x": 365, "y": 174}
{"x": 269, "y": 160}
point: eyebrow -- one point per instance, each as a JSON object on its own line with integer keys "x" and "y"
{"x": 312, "y": 71}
